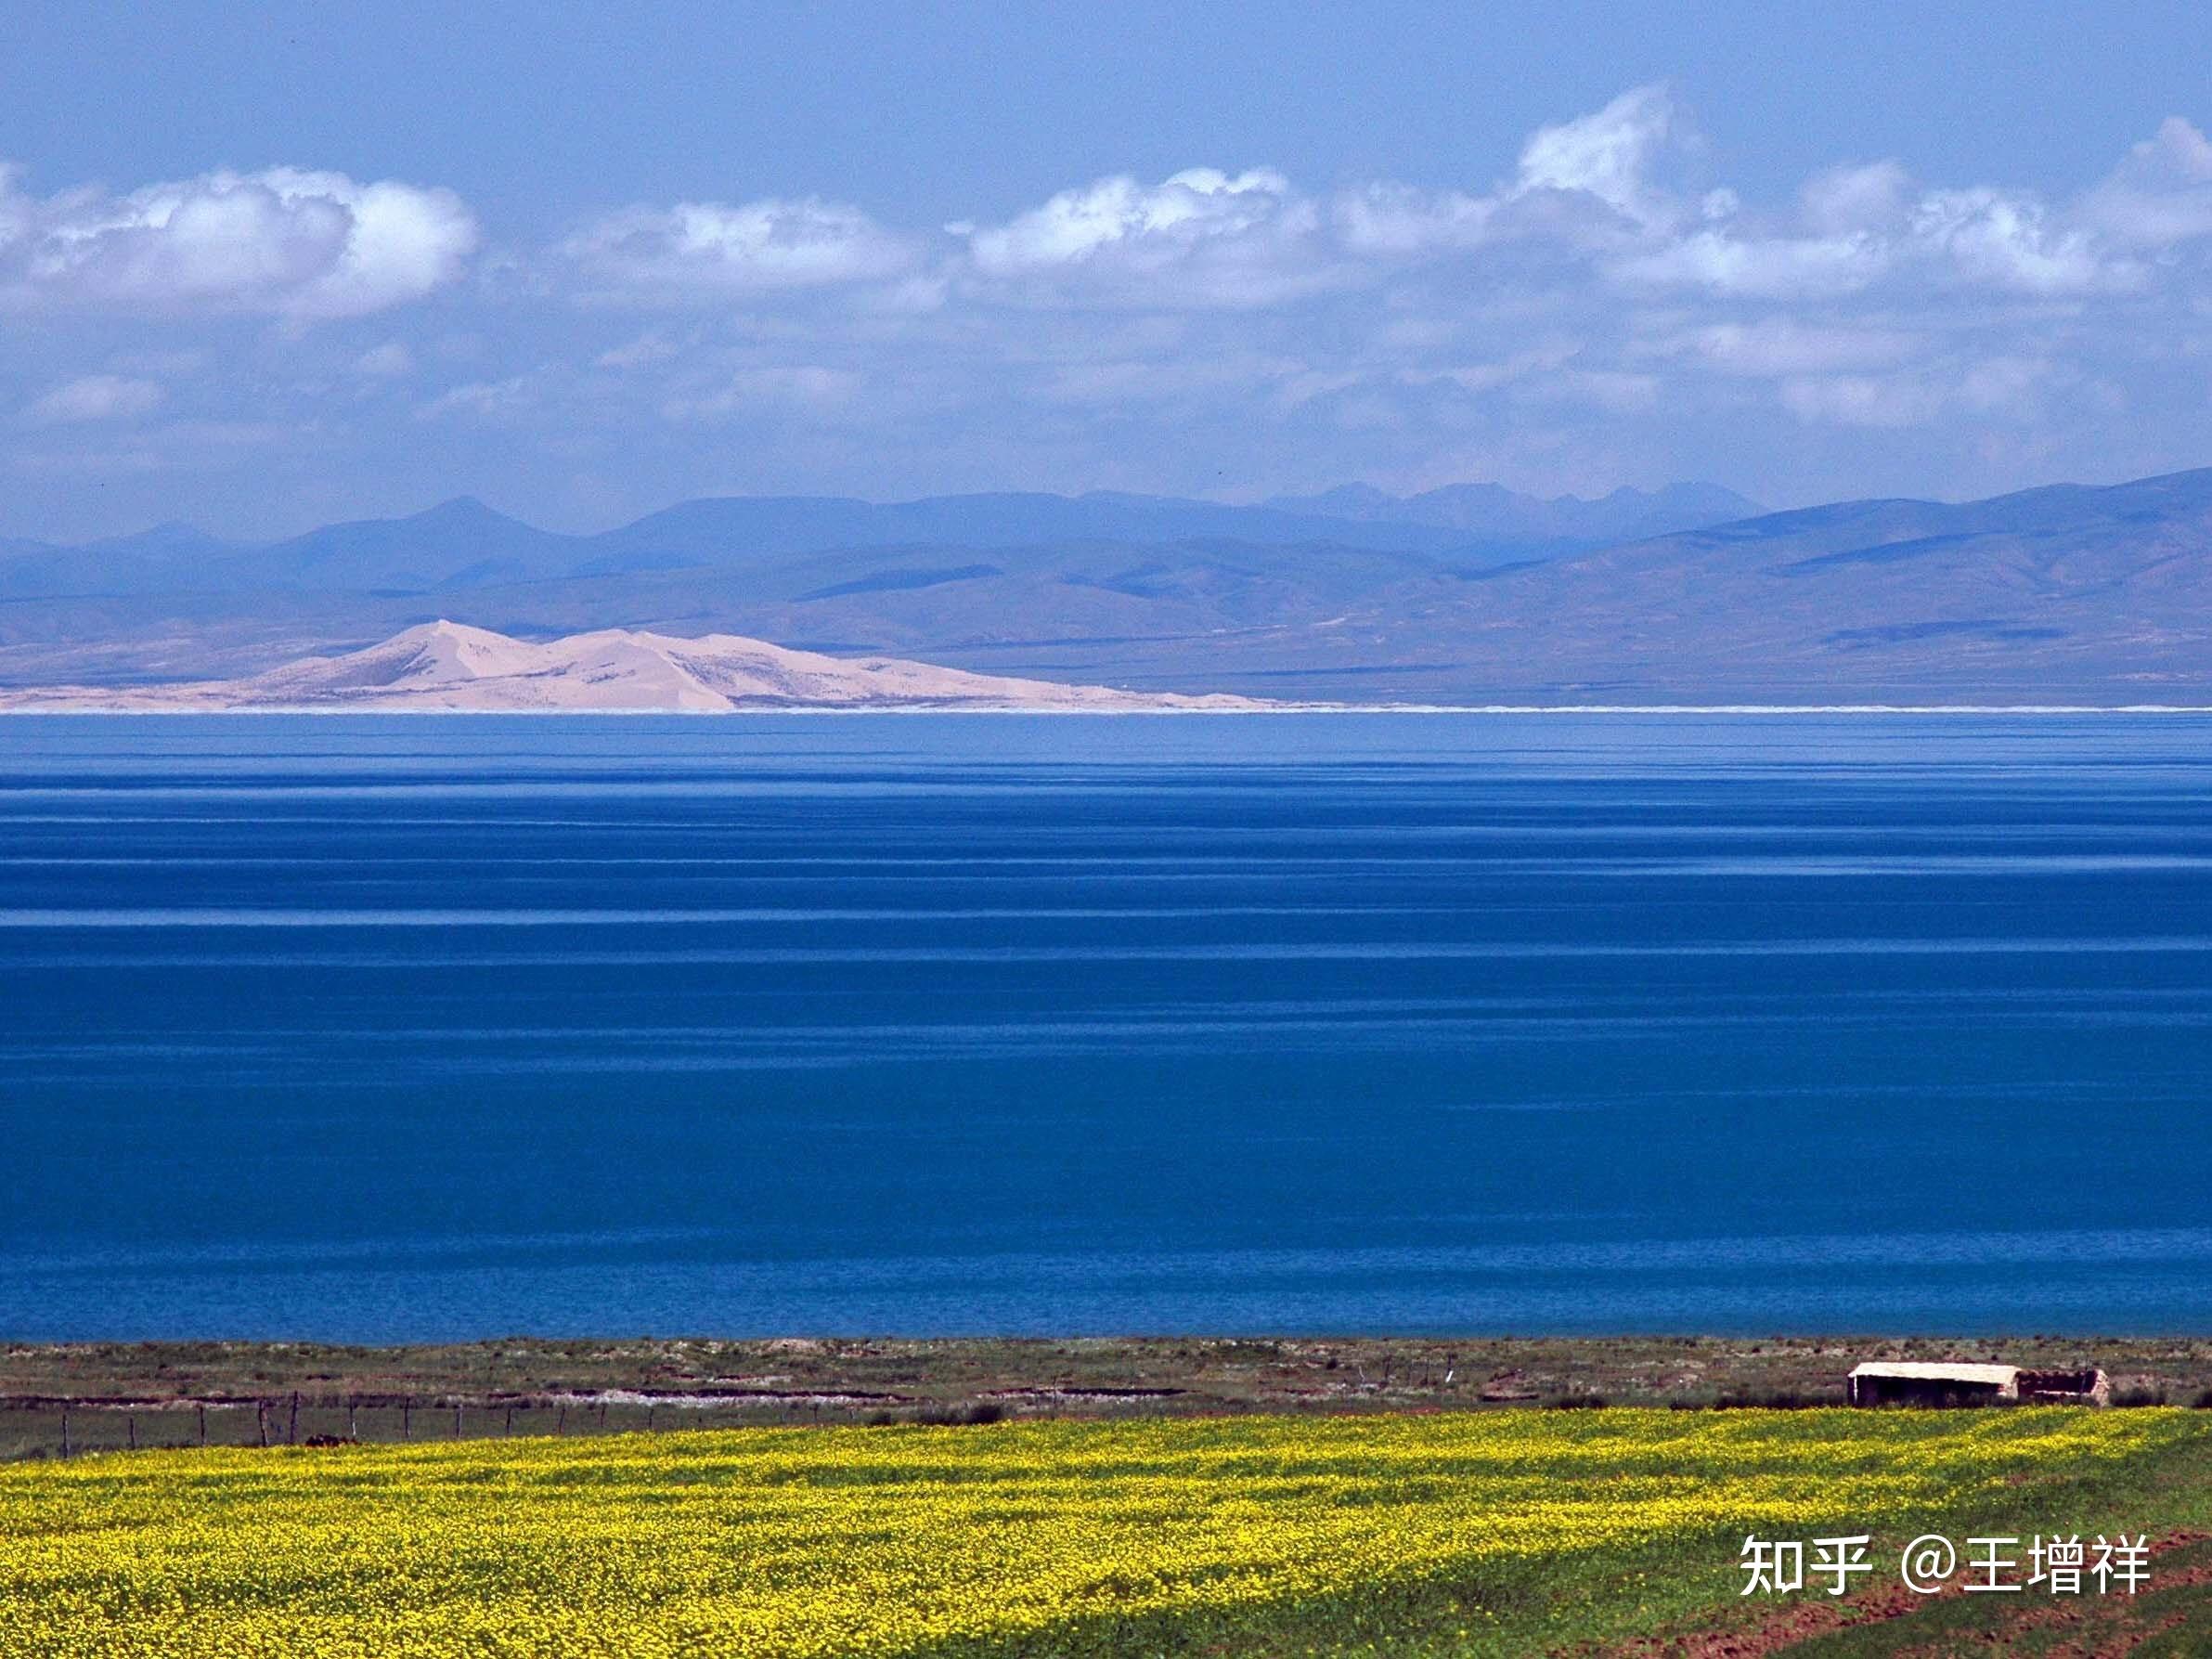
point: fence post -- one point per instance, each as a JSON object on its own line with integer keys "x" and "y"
{"x": 560, "y": 1422}
{"x": 130, "y": 1427}
{"x": 510, "y": 1420}
{"x": 406, "y": 1416}
{"x": 65, "y": 1430}
{"x": 291, "y": 1429}
{"x": 457, "y": 1419}
{"x": 261, "y": 1416}
{"x": 352, "y": 1419}
{"x": 202, "y": 1425}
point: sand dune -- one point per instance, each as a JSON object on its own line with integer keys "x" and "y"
{"x": 448, "y": 666}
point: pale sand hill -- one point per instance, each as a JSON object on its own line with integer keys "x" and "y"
{"x": 447, "y": 666}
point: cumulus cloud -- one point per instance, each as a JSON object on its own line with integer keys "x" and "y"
{"x": 95, "y": 398}
{"x": 1592, "y": 283}
{"x": 1774, "y": 268}
{"x": 1386, "y": 219}
{"x": 2161, "y": 194}
{"x": 1865, "y": 225}
{"x": 1840, "y": 201}
{"x": 1199, "y": 236}
{"x": 1606, "y": 155}
{"x": 1592, "y": 191}
{"x": 1851, "y": 304}
{"x": 2008, "y": 241}
{"x": 284, "y": 242}
{"x": 714, "y": 248}
{"x": 1208, "y": 237}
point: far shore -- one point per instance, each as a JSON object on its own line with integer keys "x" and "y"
{"x": 109, "y": 710}
{"x": 107, "y": 1395}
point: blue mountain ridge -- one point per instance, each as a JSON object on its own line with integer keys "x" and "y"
{"x": 2064, "y": 593}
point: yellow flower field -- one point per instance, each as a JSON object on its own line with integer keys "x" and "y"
{"x": 894, "y": 1541}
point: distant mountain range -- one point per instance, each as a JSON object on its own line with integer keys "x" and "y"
{"x": 462, "y": 543}
{"x": 1471, "y": 594}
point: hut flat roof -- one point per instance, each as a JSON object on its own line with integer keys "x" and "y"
{"x": 1937, "y": 1371}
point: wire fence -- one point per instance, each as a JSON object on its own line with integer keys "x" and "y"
{"x": 47, "y": 1427}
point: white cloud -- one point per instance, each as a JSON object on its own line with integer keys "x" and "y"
{"x": 1993, "y": 238}
{"x": 2162, "y": 194}
{"x": 1484, "y": 377}
{"x": 490, "y": 401}
{"x": 1589, "y": 188}
{"x": 1973, "y": 238}
{"x": 1123, "y": 382}
{"x": 1863, "y": 225}
{"x": 1395, "y": 220}
{"x": 641, "y": 353}
{"x": 1184, "y": 211}
{"x": 284, "y": 242}
{"x": 2006, "y": 387}
{"x": 714, "y": 248}
{"x": 1586, "y": 293}
{"x": 95, "y": 398}
{"x": 1618, "y": 391}
{"x": 1777, "y": 267}
{"x": 1844, "y": 199}
{"x": 1861, "y": 400}
{"x": 1201, "y": 237}
{"x": 1583, "y": 183}
{"x": 1773, "y": 346}
{"x": 1205, "y": 237}
{"x": 388, "y": 361}
{"x": 805, "y": 387}
{"x": 1607, "y": 155}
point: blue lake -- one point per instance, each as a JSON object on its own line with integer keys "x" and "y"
{"x": 423, "y": 1028}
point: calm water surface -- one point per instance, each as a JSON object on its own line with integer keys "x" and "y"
{"x": 417, "y": 1027}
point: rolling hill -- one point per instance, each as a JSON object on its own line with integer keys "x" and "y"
{"x": 443, "y": 665}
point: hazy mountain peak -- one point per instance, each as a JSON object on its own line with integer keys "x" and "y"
{"x": 461, "y": 511}
{"x": 173, "y": 535}
{"x": 1491, "y": 512}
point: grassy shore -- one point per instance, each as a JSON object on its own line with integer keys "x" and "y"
{"x": 246, "y": 1393}
{"x": 1349, "y": 1497}
{"x": 1477, "y": 1535}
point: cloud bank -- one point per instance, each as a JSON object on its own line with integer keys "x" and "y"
{"x": 1604, "y": 307}
{"x": 284, "y": 242}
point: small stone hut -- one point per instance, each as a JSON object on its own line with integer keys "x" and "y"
{"x": 1947, "y": 1382}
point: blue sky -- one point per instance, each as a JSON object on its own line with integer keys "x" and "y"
{"x": 264, "y": 269}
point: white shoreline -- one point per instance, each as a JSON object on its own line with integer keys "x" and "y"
{"x": 105, "y": 711}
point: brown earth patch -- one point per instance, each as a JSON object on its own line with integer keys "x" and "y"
{"x": 1798, "y": 1621}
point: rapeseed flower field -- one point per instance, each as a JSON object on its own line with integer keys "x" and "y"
{"x": 1044, "y": 1537}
